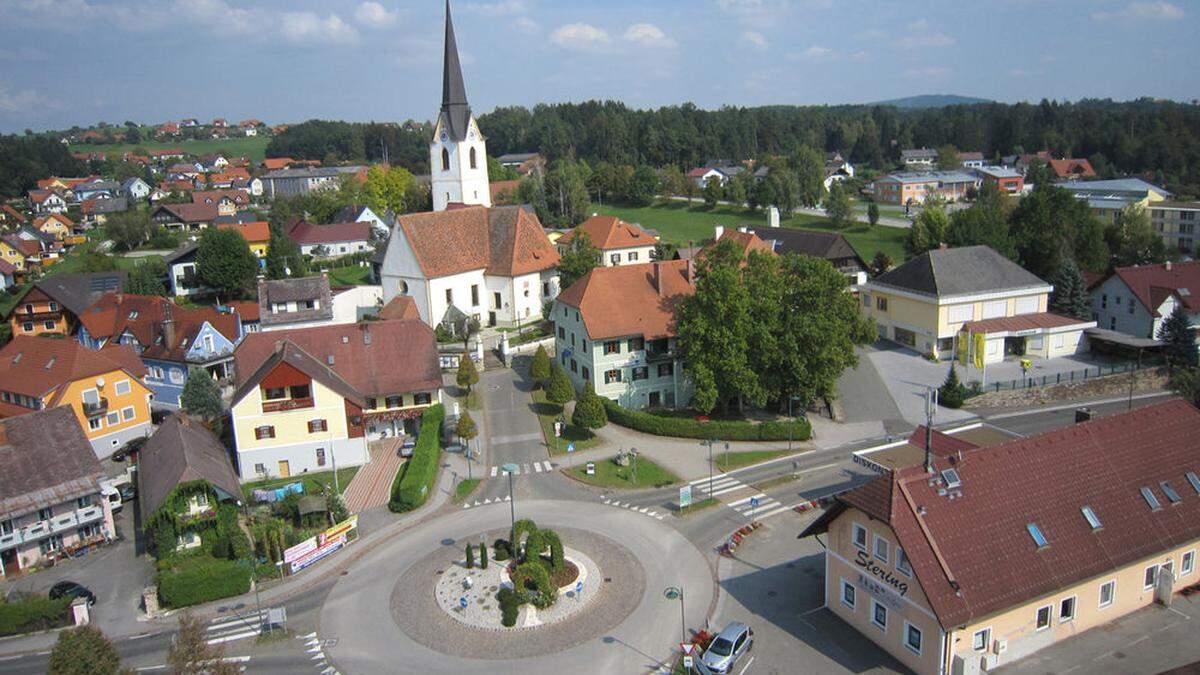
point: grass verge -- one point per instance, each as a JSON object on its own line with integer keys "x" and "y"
{"x": 736, "y": 460}
{"x": 350, "y": 276}
{"x": 608, "y": 474}
{"x": 547, "y": 412}
{"x": 464, "y": 489}
{"x": 701, "y": 505}
{"x": 313, "y": 482}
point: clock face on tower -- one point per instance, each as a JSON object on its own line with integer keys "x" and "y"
{"x": 444, "y": 137}
{"x": 471, "y": 134}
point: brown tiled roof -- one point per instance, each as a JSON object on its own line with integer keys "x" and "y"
{"x": 192, "y": 213}
{"x": 609, "y": 232}
{"x": 503, "y": 189}
{"x": 17, "y": 215}
{"x": 305, "y": 232}
{"x": 238, "y": 197}
{"x": 39, "y": 196}
{"x": 973, "y": 554}
{"x": 1143, "y": 279}
{"x": 503, "y": 241}
{"x": 6, "y": 268}
{"x": 247, "y": 309}
{"x": 254, "y": 233}
{"x": 47, "y": 460}
{"x": 1022, "y": 322}
{"x": 291, "y": 290}
{"x": 375, "y": 358}
{"x": 747, "y": 242}
{"x": 182, "y": 451}
{"x": 143, "y": 316}
{"x": 36, "y": 366}
{"x": 401, "y": 307}
{"x": 631, "y": 299}
{"x": 276, "y": 163}
{"x": 1068, "y": 168}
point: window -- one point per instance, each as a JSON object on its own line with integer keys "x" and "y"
{"x": 879, "y": 615}
{"x": 615, "y": 258}
{"x": 1150, "y": 577}
{"x": 1172, "y": 495}
{"x": 90, "y": 397}
{"x": 299, "y": 391}
{"x": 981, "y": 639}
{"x": 320, "y": 456}
{"x": 637, "y": 344}
{"x": 449, "y": 296}
{"x": 445, "y": 159}
{"x": 912, "y": 638}
{"x": 1043, "y": 618}
{"x": 1036, "y": 533}
{"x": 53, "y": 307}
{"x": 1108, "y": 593}
{"x": 49, "y": 325}
{"x": 612, "y": 347}
{"x": 83, "y": 502}
{"x": 113, "y": 418}
{"x": 902, "y": 563}
{"x": 641, "y": 373}
{"x": 545, "y": 289}
{"x": 265, "y": 431}
{"x": 961, "y": 313}
{"x": 122, "y": 388}
{"x": 1194, "y": 481}
{"x": 1131, "y": 306}
{"x": 474, "y": 163}
{"x": 394, "y": 401}
{"x": 176, "y": 376}
{"x": 95, "y": 424}
{"x": 1091, "y": 517}
{"x": 633, "y": 255}
{"x": 274, "y": 393}
{"x": 1188, "y": 564}
{"x": 611, "y": 376}
{"x": 46, "y": 513}
{"x": 881, "y": 548}
{"x": 422, "y": 399}
{"x": 881, "y": 304}
{"x": 666, "y": 369}
{"x": 1066, "y": 609}
{"x": 260, "y": 469}
{"x": 847, "y": 594}
{"x": 860, "y": 537}
{"x": 27, "y": 327}
{"x": 127, "y": 414}
{"x": 316, "y": 426}
{"x": 1151, "y": 499}
{"x": 475, "y": 295}
{"x": 574, "y": 366}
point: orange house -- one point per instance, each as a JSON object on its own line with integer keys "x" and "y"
{"x": 53, "y": 305}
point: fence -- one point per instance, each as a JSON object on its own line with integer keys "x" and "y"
{"x": 1090, "y": 373}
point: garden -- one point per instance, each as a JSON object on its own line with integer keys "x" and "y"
{"x": 624, "y": 471}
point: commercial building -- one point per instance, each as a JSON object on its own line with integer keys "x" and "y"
{"x": 50, "y": 501}
{"x": 1006, "y": 180}
{"x": 1136, "y": 300}
{"x": 914, "y": 187}
{"x": 614, "y": 328}
{"x": 1108, "y": 198}
{"x": 1176, "y": 222}
{"x": 918, "y": 158}
{"x": 971, "y": 299}
{"x": 301, "y": 181}
{"x": 620, "y": 243}
{"x": 997, "y": 552}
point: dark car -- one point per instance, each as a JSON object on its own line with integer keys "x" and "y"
{"x": 128, "y": 492}
{"x": 70, "y": 589}
{"x": 129, "y": 450}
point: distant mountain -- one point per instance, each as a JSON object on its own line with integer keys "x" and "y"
{"x": 932, "y": 101}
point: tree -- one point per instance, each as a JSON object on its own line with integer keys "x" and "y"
{"x": 1132, "y": 240}
{"x": 713, "y": 192}
{"x": 577, "y": 260}
{"x": 673, "y": 182}
{"x": 643, "y": 186}
{"x": 483, "y": 555}
{"x": 589, "y": 410}
{"x": 539, "y": 370}
{"x": 809, "y": 166}
{"x": 559, "y": 390}
{"x": 467, "y": 374}
{"x": 470, "y": 556}
{"x": 566, "y": 193}
{"x": 985, "y": 223}
{"x": 1186, "y": 383}
{"x": 1178, "y": 338}
{"x": 738, "y": 187}
{"x": 388, "y": 189}
{"x": 881, "y": 263}
{"x": 948, "y": 159}
{"x": 84, "y": 651}
{"x": 225, "y": 263}
{"x": 838, "y": 206}
{"x": 952, "y": 393}
{"x": 1070, "y": 296}
{"x": 283, "y": 256}
{"x": 128, "y": 229}
{"x": 1039, "y": 173}
{"x": 466, "y": 428}
{"x": 201, "y": 397}
{"x": 190, "y": 653}
{"x": 872, "y": 214}
{"x": 147, "y": 277}
{"x": 1048, "y": 224}
{"x": 928, "y": 230}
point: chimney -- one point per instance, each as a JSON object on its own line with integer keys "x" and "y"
{"x": 168, "y": 326}
{"x": 691, "y": 270}
{"x": 718, "y": 231}
{"x": 658, "y": 277}
{"x": 773, "y": 216}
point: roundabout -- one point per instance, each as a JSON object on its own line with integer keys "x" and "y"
{"x": 400, "y": 607}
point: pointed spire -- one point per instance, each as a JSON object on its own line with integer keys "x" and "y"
{"x": 454, "y": 92}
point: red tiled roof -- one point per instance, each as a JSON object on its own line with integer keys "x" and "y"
{"x": 747, "y": 242}
{"x": 17, "y": 215}
{"x": 39, "y": 196}
{"x": 503, "y": 241}
{"x": 6, "y": 268}
{"x": 35, "y": 366}
{"x": 276, "y": 163}
{"x": 506, "y": 189}
{"x": 631, "y": 299}
{"x": 143, "y": 316}
{"x": 238, "y": 197}
{"x": 27, "y": 247}
{"x": 1022, "y": 322}
{"x": 1072, "y": 168}
{"x": 401, "y": 307}
{"x": 254, "y": 233}
{"x": 1143, "y": 280}
{"x": 247, "y": 309}
{"x": 697, "y": 172}
{"x": 39, "y": 222}
{"x": 609, "y": 232}
{"x": 305, "y": 232}
{"x": 973, "y": 555}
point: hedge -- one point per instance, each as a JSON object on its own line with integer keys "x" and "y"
{"x": 415, "y": 482}
{"x": 33, "y": 614}
{"x": 191, "y": 580}
{"x": 661, "y": 425}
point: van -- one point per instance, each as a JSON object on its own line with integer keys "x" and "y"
{"x": 112, "y": 495}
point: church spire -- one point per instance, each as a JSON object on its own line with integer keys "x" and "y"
{"x": 454, "y": 92}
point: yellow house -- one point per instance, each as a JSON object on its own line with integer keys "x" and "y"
{"x": 971, "y": 302}
{"x": 55, "y": 224}
{"x": 256, "y": 234}
{"x": 105, "y": 388}
{"x": 53, "y": 304}
{"x": 11, "y": 254}
{"x": 997, "y": 552}
{"x": 310, "y": 398}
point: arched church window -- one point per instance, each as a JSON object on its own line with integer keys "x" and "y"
{"x": 473, "y": 163}
{"x": 445, "y": 159}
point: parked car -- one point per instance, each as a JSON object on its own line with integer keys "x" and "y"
{"x": 408, "y": 446}
{"x": 727, "y": 648}
{"x": 70, "y": 589}
{"x": 128, "y": 492}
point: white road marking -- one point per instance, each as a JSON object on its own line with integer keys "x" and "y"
{"x": 537, "y": 466}
{"x": 758, "y": 496}
{"x": 745, "y": 667}
{"x": 495, "y": 469}
{"x": 235, "y": 636}
{"x": 717, "y": 481}
{"x": 549, "y": 466}
{"x": 735, "y": 488}
{"x": 508, "y": 498}
{"x": 774, "y": 512}
{"x": 466, "y": 506}
{"x": 525, "y": 468}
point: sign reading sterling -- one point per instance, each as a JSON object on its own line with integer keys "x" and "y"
{"x": 864, "y": 561}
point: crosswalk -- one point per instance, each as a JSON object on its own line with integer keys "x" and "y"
{"x": 524, "y": 469}
{"x": 315, "y": 648}
{"x": 230, "y": 628}
{"x": 644, "y": 510}
{"x": 743, "y": 498}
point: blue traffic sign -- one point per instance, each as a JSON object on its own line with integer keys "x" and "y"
{"x": 570, "y": 447}
{"x": 753, "y": 502}
{"x": 579, "y": 587}
{"x": 462, "y": 602}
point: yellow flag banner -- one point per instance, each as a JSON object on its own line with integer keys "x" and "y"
{"x": 963, "y": 348}
{"x": 980, "y": 347}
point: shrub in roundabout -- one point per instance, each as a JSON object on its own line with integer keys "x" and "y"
{"x": 532, "y": 581}
{"x": 510, "y": 605}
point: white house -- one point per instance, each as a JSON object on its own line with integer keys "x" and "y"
{"x": 135, "y": 188}
{"x": 1136, "y": 300}
{"x": 619, "y": 242}
{"x": 363, "y": 214}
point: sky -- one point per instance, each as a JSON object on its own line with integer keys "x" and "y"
{"x": 65, "y": 62}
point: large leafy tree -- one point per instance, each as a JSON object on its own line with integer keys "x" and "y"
{"x": 147, "y": 277}
{"x": 1050, "y": 224}
{"x": 201, "y": 397}
{"x": 1070, "y": 296}
{"x": 838, "y": 206}
{"x": 84, "y": 651}
{"x": 467, "y": 375}
{"x": 129, "y": 229}
{"x": 928, "y": 230}
{"x": 1132, "y": 239}
{"x": 643, "y": 185}
{"x": 566, "y": 192}
{"x": 388, "y": 189}
{"x": 224, "y": 262}
{"x": 579, "y": 258}
{"x": 809, "y": 166}
{"x": 984, "y": 223}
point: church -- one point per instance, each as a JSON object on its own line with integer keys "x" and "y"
{"x": 467, "y": 258}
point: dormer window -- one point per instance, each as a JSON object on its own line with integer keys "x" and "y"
{"x": 1091, "y": 517}
{"x": 1151, "y": 499}
{"x": 1036, "y": 533}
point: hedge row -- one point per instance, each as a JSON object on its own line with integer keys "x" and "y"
{"x": 192, "y": 580}
{"x": 415, "y": 482}
{"x": 33, "y": 614}
{"x": 661, "y": 425}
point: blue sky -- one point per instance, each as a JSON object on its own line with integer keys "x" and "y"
{"x": 66, "y": 62}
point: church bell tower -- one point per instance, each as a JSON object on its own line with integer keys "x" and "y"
{"x": 458, "y": 152}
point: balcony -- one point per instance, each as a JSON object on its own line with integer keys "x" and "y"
{"x": 57, "y": 524}
{"x": 660, "y": 355}
{"x": 286, "y": 404}
{"x": 95, "y": 409}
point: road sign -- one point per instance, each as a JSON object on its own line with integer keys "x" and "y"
{"x": 578, "y": 587}
{"x": 686, "y": 647}
{"x": 462, "y": 602}
{"x": 685, "y": 496}
{"x": 754, "y": 502}
{"x": 570, "y": 447}
{"x": 558, "y": 429}
{"x": 687, "y": 663}
{"x": 591, "y": 468}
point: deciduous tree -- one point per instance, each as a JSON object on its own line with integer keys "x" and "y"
{"x": 1133, "y": 241}
{"x": 579, "y": 258}
{"x": 84, "y": 651}
{"x": 147, "y": 277}
{"x": 838, "y": 206}
{"x": 224, "y": 262}
{"x": 928, "y": 230}
{"x": 466, "y": 428}
{"x": 129, "y": 229}
{"x": 191, "y": 654}
{"x": 872, "y": 214}
{"x": 809, "y": 166}
{"x": 467, "y": 375}
{"x": 201, "y": 397}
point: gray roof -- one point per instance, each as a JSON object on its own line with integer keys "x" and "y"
{"x": 517, "y": 157}
{"x": 188, "y": 249}
{"x": 997, "y": 171}
{"x": 827, "y": 245}
{"x": 291, "y": 290}
{"x": 927, "y": 176}
{"x": 313, "y": 172}
{"x": 110, "y": 185}
{"x": 47, "y": 460}
{"x": 182, "y": 451}
{"x": 77, "y": 292}
{"x": 130, "y": 181}
{"x": 455, "y": 109}
{"x": 959, "y": 271}
{"x": 113, "y": 205}
{"x": 919, "y": 153}
{"x": 1116, "y": 185}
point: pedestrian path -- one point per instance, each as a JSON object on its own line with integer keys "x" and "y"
{"x": 230, "y": 628}
{"x": 316, "y": 652}
{"x": 485, "y": 502}
{"x": 644, "y": 510}
{"x": 372, "y": 485}
{"x": 743, "y": 498}
{"x": 523, "y": 469}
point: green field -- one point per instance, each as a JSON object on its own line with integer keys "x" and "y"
{"x": 314, "y": 482}
{"x": 350, "y": 276}
{"x": 255, "y": 148}
{"x": 608, "y": 474}
{"x": 679, "y": 224}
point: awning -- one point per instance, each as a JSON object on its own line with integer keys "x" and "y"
{"x": 1026, "y": 324}
{"x": 1105, "y": 335}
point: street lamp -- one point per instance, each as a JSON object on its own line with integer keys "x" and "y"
{"x": 511, "y": 469}
{"x": 791, "y": 419}
{"x": 676, "y": 593}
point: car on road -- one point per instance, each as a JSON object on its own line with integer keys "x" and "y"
{"x": 70, "y": 589}
{"x": 408, "y": 446}
{"x": 726, "y": 649}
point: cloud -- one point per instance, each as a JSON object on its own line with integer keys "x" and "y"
{"x": 860, "y": 57}
{"x": 579, "y": 36}
{"x": 374, "y": 15}
{"x": 526, "y": 25}
{"x": 755, "y": 38}
{"x": 19, "y": 101}
{"x": 310, "y": 27}
{"x": 761, "y": 13}
{"x": 927, "y": 73}
{"x": 648, "y": 35}
{"x": 816, "y": 52}
{"x": 1144, "y": 11}
{"x": 919, "y": 35}
{"x": 501, "y": 8}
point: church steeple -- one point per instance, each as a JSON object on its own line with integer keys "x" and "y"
{"x": 454, "y": 92}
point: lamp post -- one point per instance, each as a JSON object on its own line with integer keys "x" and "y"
{"x": 791, "y": 418}
{"x": 511, "y": 469}
{"x": 676, "y": 593}
{"x": 709, "y": 443}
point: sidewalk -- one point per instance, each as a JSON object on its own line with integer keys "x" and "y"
{"x": 371, "y": 487}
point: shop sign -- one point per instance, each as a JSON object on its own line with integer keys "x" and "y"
{"x": 303, "y": 548}
{"x": 321, "y": 551}
{"x": 863, "y": 560}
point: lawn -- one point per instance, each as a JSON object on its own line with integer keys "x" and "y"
{"x": 696, "y": 506}
{"x": 547, "y": 412}
{"x": 609, "y": 475}
{"x": 255, "y": 148}
{"x": 350, "y": 276}
{"x": 679, "y": 224}
{"x": 464, "y": 489}
{"x": 314, "y": 482}
{"x": 736, "y": 460}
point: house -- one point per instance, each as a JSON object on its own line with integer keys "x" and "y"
{"x": 182, "y": 278}
{"x": 248, "y": 312}
{"x": 308, "y": 399}
{"x": 971, "y": 302}
{"x": 1108, "y": 198}
{"x": 277, "y": 163}
{"x": 620, "y": 243}
{"x": 1176, "y": 222}
{"x": 825, "y": 245}
{"x": 1006, "y": 180}
{"x": 1072, "y": 169}
{"x": 331, "y": 241}
{"x": 293, "y": 182}
{"x": 10, "y": 217}
{"x": 55, "y": 225}
{"x": 294, "y": 303}
{"x": 170, "y": 153}
{"x": 256, "y": 233}
{"x": 12, "y": 252}
{"x": 493, "y": 264}
{"x": 919, "y": 158}
{"x": 96, "y": 211}
{"x": 98, "y": 189}
{"x": 186, "y": 217}
{"x": 184, "y": 171}
{"x": 971, "y": 160}
{"x": 104, "y": 388}
{"x": 837, "y": 169}
{"x": 169, "y": 339}
{"x": 220, "y": 123}
{"x": 913, "y": 187}
{"x": 524, "y": 163}
{"x": 50, "y": 500}
{"x": 8, "y": 275}
{"x": 167, "y": 129}
{"x": 47, "y": 201}
{"x": 997, "y": 552}
{"x": 1136, "y": 300}
{"x": 24, "y": 248}
{"x": 745, "y": 241}
{"x": 227, "y": 202}
{"x": 357, "y": 213}
{"x": 183, "y": 474}
{"x": 226, "y": 179}
{"x": 504, "y": 192}
{"x": 135, "y": 188}
{"x": 615, "y": 328}
{"x": 54, "y": 303}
